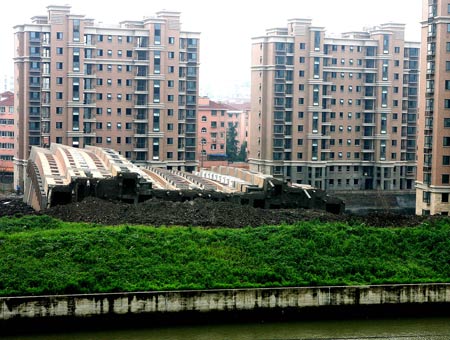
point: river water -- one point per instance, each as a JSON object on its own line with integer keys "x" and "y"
{"x": 434, "y": 328}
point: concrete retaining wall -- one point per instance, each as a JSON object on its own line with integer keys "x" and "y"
{"x": 82, "y": 306}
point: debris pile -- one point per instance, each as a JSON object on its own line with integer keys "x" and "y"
{"x": 199, "y": 212}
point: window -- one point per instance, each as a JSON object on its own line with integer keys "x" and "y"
{"x": 59, "y": 65}
{"x": 445, "y": 179}
{"x": 445, "y": 160}
{"x": 444, "y": 198}
{"x": 59, "y": 35}
{"x": 446, "y": 141}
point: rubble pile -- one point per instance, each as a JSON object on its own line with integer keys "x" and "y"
{"x": 199, "y": 212}
{"x": 14, "y": 206}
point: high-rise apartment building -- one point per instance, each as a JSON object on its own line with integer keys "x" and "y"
{"x": 6, "y": 137}
{"x": 131, "y": 87}
{"x": 338, "y": 113}
{"x": 7, "y": 83}
{"x": 433, "y": 155}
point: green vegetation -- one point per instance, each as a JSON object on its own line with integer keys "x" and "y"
{"x": 41, "y": 255}
{"x": 235, "y": 152}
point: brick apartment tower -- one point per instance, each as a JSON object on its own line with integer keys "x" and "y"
{"x": 433, "y": 156}
{"x": 132, "y": 87}
{"x": 338, "y": 113}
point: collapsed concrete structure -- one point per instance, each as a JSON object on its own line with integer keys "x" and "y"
{"x": 63, "y": 174}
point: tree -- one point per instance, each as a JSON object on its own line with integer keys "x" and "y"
{"x": 232, "y": 143}
{"x": 242, "y": 157}
{"x": 235, "y": 152}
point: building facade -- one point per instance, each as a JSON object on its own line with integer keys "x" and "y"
{"x": 6, "y": 139}
{"x": 433, "y": 161}
{"x": 215, "y": 119}
{"x": 131, "y": 87}
{"x": 338, "y": 113}
{"x": 7, "y": 83}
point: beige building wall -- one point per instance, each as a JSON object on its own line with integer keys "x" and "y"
{"x": 132, "y": 87}
{"x": 433, "y": 178}
{"x": 338, "y": 113}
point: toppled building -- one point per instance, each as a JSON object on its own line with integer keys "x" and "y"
{"x": 64, "y": 174}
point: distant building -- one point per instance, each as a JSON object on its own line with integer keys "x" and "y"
{"x": 131, "y": 87}
{"x": 214, "y": 121}
{"x": 7, "y": 83}
{"x": 6, "y": 138}
{"x": 433, "y": 155}
{"x": 338, "y": 113}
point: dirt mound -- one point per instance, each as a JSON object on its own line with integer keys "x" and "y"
{"x": 199, "y": 212}
{"x": 14, "y": 206}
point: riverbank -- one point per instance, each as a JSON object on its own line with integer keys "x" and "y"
{"x": 41, "y": 255}
{"x": 225, "y": 305}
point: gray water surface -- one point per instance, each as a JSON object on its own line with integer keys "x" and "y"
{"x": 436, "y": 328}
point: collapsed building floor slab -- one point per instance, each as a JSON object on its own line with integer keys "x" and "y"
{"x": 64, "y": 174}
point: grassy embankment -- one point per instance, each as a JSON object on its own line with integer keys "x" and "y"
{"x": 41, "y": 255}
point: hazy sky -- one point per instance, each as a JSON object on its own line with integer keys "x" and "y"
{"x": 226, "y": 27}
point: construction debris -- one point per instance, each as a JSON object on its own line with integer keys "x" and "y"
{"x": 63, "y": 174}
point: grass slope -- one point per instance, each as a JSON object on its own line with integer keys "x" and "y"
{"x": 41, "y": 255}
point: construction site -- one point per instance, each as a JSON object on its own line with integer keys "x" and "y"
{"x": 98, "y": 185}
